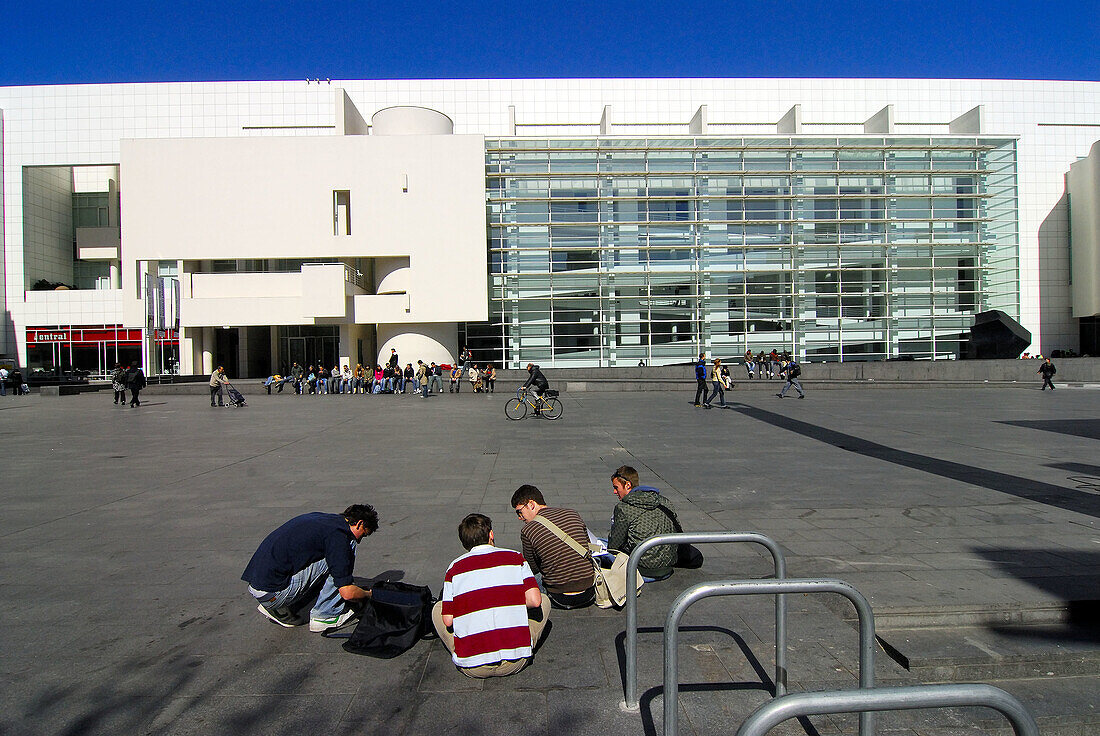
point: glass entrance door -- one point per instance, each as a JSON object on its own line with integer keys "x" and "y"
{"x": 297, "y": 351}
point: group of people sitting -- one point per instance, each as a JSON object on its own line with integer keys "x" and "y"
{"x": 496, "y": 601}
{"x": 766, "y": 364}
{"x": 391, "y": 378}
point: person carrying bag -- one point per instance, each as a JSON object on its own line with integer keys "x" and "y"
{"x": 610, "y": 583}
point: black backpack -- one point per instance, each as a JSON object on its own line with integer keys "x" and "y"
{"x": 395, "y": 618}
{"x": 793, "y": 370}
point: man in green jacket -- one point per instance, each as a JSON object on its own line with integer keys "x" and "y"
{"x": 642, "y": 512}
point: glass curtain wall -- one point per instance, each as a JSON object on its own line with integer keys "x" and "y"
{"x": 612, "y": 251}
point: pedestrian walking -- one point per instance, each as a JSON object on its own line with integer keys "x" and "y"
{"x": 118, "y": 384}
{"x": 719, "y": 381}
{"x": 135, "y": 381}
{"x": 1047, "y": 370}
{"x": 700, "y": 379}
{"x": 218, "y": 382}
{"x": 791, "y": 371}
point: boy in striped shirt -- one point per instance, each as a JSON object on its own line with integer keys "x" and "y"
{"x": 492, "y": 613}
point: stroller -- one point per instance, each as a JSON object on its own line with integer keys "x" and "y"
{"x": 236, "y": 398}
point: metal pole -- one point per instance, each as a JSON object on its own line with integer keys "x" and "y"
{"x": 759, "y": 587}
{"x": 701, "y": 538}
{"x": 778, "y": 710}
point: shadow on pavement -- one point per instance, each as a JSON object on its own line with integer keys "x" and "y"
{"x": 1076, "y": 581}
{"x": 1077, "y": 427}
{"x": 645, "y": 700}
{"x": 1032, "y": 490}
{"x": 146, "y": 693}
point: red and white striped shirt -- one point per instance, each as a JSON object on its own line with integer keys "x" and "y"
{"x": 485, "y": 590}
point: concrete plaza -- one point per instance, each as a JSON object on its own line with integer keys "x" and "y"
{"x": 967, "y": 517}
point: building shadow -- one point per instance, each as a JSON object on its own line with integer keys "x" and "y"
{"x": 1069, "y": 499}
{"x": 1089, "y": 428}
{"x": 1075, "y": 581}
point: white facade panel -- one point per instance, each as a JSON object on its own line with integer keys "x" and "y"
{"x": 417, "y": 198}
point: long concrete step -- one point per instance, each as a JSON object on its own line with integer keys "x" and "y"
{"x": 990, "y": 642}
{"x": 992, "y": 653}
{"x": 1061, "y": 706}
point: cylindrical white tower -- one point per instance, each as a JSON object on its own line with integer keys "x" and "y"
{"x": 410, "y": 120}
{"x": 437, "y": 341}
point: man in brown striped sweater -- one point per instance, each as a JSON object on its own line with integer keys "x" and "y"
{"x": 565, "y": 573}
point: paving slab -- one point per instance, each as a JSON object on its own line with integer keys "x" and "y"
{"x": 124, "y": 533}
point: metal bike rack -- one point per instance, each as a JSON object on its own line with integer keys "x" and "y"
{"x": 761, "y": 587}
{"x": 778, "y": 710}
{"x": 700, "y": 538}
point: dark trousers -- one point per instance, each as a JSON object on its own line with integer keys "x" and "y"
{"x": 134, "y": 400}
{"x": 216, "y": 391}
{"x": 1047, "y": 382}
{"x": 569, "y": 601}
{"x": 120, "y": 397}
{"x": 701, "y": 390}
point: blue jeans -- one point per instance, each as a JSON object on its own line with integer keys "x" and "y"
{"x": 328, "y": 603}
{"x": 717, "y": 392}
{"x": 792, "y": 382}
{"x": 322, "y": 386}
{"x": 433, "y": 383}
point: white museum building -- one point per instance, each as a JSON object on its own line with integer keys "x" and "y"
{"x": 571, "y": 222}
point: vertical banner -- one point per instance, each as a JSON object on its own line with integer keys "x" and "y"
{"x": 176, "y": 291}
{"x": 150, "y": 301}
{"x": 161, "y": 321}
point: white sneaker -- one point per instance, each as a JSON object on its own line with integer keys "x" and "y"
{"x": 320, "y": 625}
{"x": 280, "y": 616}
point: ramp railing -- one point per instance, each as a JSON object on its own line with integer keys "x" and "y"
{"x": 861, "y": 701}
{"x": 631, "y": 689}
{"x": 762, "y": 587}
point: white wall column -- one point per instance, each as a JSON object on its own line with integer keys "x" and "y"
{"x": 208, "y": 350}
{"x": 190, "y": 350}
{"x": 346, "y": 348}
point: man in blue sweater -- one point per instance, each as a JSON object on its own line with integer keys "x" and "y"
{"x": 310, "y": 551}
{"x": 700, "y": 379}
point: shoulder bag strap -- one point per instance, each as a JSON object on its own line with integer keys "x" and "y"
{"x": 557, "y": 532}
{"x": 671, "y": 517}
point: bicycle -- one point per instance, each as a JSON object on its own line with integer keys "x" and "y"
{"x": 547, "y": 405}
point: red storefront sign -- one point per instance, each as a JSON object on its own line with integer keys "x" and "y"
{"x": 94, "y": 335}
{"x": 47, "y": 336}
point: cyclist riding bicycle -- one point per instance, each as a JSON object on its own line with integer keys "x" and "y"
{"x": 537, "y": 381}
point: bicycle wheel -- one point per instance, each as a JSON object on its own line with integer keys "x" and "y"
{"x": 553, "y": 409}
{"x": 515, "y": 408}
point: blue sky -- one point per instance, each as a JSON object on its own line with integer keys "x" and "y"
{"x": 68, "y": 42}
